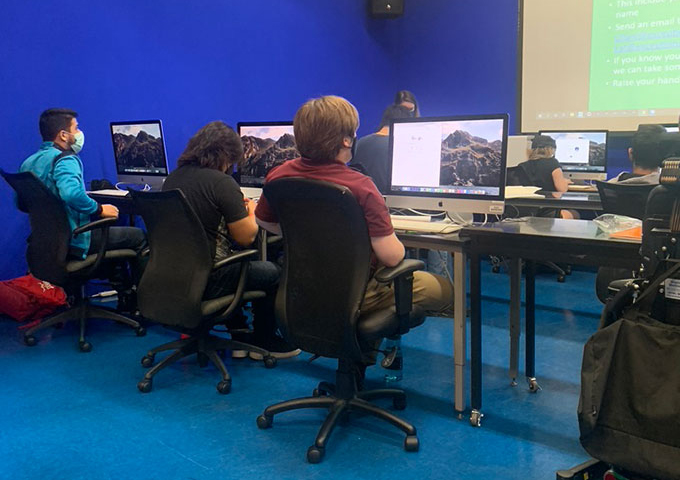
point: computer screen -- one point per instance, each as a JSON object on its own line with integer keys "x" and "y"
{"x": 582, "y": 152}
{"x": 449, "y": 163}
{"x": 265, "y": 146}
{"x": 139, "y": 151}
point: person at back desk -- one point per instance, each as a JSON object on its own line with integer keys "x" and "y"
{"x": 646, "y": 156}
{"x": 543, "y": 169}
{"x": 372, "y": 151}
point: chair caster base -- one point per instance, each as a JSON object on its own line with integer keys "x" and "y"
{"x": 264, "y": 422}
{"x": 269, "y": 361}
{"x": 140, "y": 331}
{"x": 224, "y": 387}
{"x": 85, "y": 346}
{"x": 411, "y": 443}
{"x": 30, "y": 341}
{"x": 147, "y": 360}
{"x": 144, "y": 386}
{"x": 315, "y": 454}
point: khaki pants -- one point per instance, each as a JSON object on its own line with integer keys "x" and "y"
{"x": 431, "y": 292}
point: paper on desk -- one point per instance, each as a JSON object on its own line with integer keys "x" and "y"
{"x": 514, "y": 191}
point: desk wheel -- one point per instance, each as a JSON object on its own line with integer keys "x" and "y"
{"x": 533, "y": 385}
{"x": 476, "y": 418}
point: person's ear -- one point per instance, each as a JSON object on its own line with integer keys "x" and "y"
{"x": 630, "y": 153}
{"x": 347, "y": 142}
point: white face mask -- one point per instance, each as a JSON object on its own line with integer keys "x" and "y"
{"x": 79, "y": 141}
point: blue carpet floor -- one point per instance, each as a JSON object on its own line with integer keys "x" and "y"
{"x": 71, "y": 415}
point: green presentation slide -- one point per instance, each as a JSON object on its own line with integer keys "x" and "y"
{"x": 635, "y": 55}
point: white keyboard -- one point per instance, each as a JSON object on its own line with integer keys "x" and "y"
{"x": 411, "y": 225}
{"x": 111, "y": 192}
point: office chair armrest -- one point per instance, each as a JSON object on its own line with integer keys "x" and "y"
{"x": 237, "y": 257}
{"x": 101, "y": 223}
{"x": 387, "y": 275}
{"x": 272, "y": 239}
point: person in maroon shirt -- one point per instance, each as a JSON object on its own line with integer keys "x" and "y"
{"x": 325, "y": 130}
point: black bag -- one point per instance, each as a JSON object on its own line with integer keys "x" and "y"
{"x": 629, "y": 409}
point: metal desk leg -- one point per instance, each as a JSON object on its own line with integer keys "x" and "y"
{"x": 475, "y": 341}
{"x": 530, "y": 309}
{"x": 515, "y": 305}
{"x": 459, "y": 333}
{"x": 263, "y": 244}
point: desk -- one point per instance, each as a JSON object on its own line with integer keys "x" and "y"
{"x": 576, "y": 242}
{"x": 559, "y": 200}
{"x": 456, "y": 245}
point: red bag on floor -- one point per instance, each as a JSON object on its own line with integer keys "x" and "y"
{"x": 27, "y": 298}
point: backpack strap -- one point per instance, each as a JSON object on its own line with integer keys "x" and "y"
{"x": 60, "y": 157}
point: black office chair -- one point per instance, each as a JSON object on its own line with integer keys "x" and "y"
{"x": 327, "y": 255}
{"x": 47, "y": 256}
{"x": 624, "y": 199}
{"x": 620, "y": 199}
{"x": 173, "y": 285}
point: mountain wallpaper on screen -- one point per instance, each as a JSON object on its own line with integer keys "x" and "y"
{"x": 141, "y": 151}
{"x": 470, "y": 161}
{"x": 263, "y": 154}
{"x": 597, "y": 152}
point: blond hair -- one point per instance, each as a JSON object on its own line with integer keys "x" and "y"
{"x": 541, "y": 152}
{"x": 320, "y": 126}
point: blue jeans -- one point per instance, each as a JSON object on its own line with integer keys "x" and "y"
{"x": 261, "y": 276}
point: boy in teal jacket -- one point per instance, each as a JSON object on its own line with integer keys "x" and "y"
{"x": 59, "y": 167}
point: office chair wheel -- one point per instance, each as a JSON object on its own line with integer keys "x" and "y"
{"x": 319, "y": 392}
{"x": 399, "y": 403}
{"x": 85, "y": 346}
{"x": 315, "y": 454}
{"x": 264, "y": 422}
{"x": 560, "y": 278}
{"x": 147, "y": 360}
{"x": 144, "y": 385}
{"x": 411, "y": 443}
{"x": 269, "y": 361}
{"x": 496, "y": 269}
{"x": 567, "y": 269}
{"x": 140, "y": 331}
{"x": 224, "y": 387}
{"x": 30, "y": 340}
{"x": 476, "y": 418}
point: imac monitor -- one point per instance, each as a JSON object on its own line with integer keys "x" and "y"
{"x": 265, "y": 145}
{"x": 139, "y": 151}
{"x": 582, "y": 155}
{"x": 453, "y": 164}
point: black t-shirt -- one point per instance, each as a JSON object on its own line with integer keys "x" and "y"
{"x": 215, "y": 197}
{"x": 373, "y": 155}
{"x": 540, "y": 172}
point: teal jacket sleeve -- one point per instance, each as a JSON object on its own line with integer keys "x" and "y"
{"x": 68, "y": 176}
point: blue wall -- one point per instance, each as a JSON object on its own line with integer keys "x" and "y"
{"x": 185, "y": 62}
{"x": 459, "y": 57}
